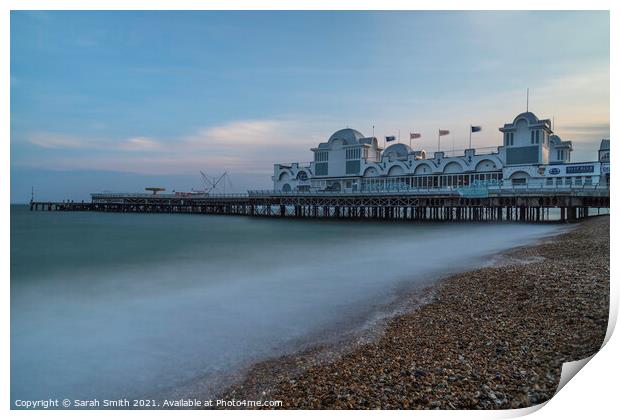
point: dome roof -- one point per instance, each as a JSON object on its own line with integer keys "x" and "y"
{"x": 529, "y": 116}
{"x": 348, "y": 136}
{"x": 397, "y": 150}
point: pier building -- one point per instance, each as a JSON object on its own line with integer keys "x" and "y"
{"x": 530, "y": 155}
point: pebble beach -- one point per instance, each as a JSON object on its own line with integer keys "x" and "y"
{"x": 492, "y": 338}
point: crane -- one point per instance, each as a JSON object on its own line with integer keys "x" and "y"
{"x": 211, "y": 184}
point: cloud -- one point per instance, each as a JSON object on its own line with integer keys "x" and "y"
{"x": 241, "y": 146}
{"x": 55, "y": 141}
{"x": 244, "y": 133}
{"x": 140, "y": 144}
{"x": 61, "y": 141}
{"x": 593, "y": 128}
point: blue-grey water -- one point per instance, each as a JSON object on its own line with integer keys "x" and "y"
{"x": 151, "y": 305}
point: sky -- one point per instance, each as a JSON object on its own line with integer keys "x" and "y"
{"x": 118, "y": 101}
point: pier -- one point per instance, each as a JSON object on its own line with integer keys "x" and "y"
{"x": 448, "y": 205}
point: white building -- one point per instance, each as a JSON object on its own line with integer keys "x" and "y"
{"x": 531, "y": 155}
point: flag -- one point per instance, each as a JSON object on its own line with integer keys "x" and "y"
{"x": 390, "y": 138}
{"x": 476, "y": 128}
{"x": 413, "y": 136}
{"x": 444, "y": 132}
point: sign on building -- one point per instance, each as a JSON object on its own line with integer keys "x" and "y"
{"x": 580, "y": 169}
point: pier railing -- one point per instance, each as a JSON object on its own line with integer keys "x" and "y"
{"x": 597, "y": 190}
{"x": 113, "y": 195}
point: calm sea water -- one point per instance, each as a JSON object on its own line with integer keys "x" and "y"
{"x": 159, "y": 306}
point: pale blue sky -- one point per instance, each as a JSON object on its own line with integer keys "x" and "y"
{"x": 119, "y": 100}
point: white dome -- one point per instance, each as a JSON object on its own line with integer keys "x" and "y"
{"x": 348, "y": 136}
{"x": 397, "y": 150}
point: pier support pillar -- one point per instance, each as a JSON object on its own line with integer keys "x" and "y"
{"x": 572, "y": 214}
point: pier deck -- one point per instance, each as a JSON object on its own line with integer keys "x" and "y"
{"x": 426, "y": 205}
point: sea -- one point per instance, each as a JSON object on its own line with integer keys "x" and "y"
{"x": 159, "y": 306}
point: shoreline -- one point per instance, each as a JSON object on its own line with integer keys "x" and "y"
{"x": 489, "y": 338}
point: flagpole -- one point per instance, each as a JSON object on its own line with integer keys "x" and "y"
{"x": 452, "y": 144}
{"x": 527, "y": 101}
{"x": 470, "y": 136}
{"x": 439, "y": 140}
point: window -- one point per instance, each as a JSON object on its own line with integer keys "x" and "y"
{"x": 532, "y": 136}
{"x": 568, "y": 181}
{"x": 353, "y": 154}
{"x": 549, "y": 181}
{"x": 512, "y": 139}
{"x": 558, "y": 181}
{"x": 588, "y": 181}
{"x": 320, "y": 156}
{"x": 578, "y": 180}
{"x": 537, "y": 136}
{"x": 320, "y": 168}
{"x": 352, "y": 167}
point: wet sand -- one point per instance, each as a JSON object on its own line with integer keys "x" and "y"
{"x": 493, "y": 338}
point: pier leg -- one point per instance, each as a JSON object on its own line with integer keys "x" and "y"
{"x": 572, "y": 214}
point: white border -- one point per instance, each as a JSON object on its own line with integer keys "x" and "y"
{"x": 592, "y": 394}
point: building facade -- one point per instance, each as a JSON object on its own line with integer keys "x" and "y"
{"x": 530, "y": 155}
